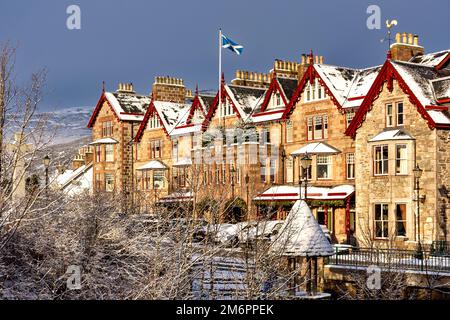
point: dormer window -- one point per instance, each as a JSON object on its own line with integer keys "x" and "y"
{"x": 227, "y": 108}
{"x": 275, "y": 101}
{"x": 153, "y": 122}
{"x": 197, "y": 117}
{"x": 314, "y": 92}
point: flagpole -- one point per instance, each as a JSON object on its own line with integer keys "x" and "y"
{"x": 220, "y": 75}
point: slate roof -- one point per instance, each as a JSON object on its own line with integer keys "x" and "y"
{"x": 431, "y": 59}
{"x": 288, "y": 85}
{"x": 246, "y": 99}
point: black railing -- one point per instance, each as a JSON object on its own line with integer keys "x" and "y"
{"x": 393, "y": 259}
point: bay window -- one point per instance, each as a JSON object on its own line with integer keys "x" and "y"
{"x": 158, "y": 179}
{"x": 400, "y": 219}
{"x": 109, "y": 153}
{"x": 401, "y": 159}
{"x": 109, "y": 182}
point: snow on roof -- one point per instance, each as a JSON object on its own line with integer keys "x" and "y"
{"x": 183, "y": 162}
{"x": 395, "y": 134}
{"x": 104, "y": 141}
{"x": 206, "y": 101}
{"x": 290, "y": 193}
{"x": 301, "y": 235}
{"x": 316, "y": 148}
{"x": 179, "y": 196}
{"x": 347, "y": 83}
{"x": 246, "y": 99}
{"x": 153, "y": 165}
{"x": 75, "y": 181}
{"x": 128, "y": 106}
{"x": 269, "y": 115}
{"x": 420, "y": 79}
{"x": 171, "y": 114}
{"x": 431, "y": 59}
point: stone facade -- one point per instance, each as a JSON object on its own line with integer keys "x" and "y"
{"x": 393, "y": 188}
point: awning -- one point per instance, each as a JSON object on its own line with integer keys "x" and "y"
{"x": 316, "y": 148}
{"x": 290, "y": 193}
{"x": 104, "y": 141}
{"x": 184, "y": 162}
{"x": 396, "y": 134}
{"x": 177, "y": 197}
{"x": 153, "y": 165}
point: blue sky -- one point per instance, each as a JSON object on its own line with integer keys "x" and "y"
{"x": 136, "y": 40}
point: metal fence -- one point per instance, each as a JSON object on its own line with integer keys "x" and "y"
{"x": 392, "y": 259}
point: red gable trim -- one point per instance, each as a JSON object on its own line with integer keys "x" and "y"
{"x": 274, "y": 86}
{"x": 195, "y": 104}
{"x": 150, "y": 111}
{"x": 185, "y": 126}
{"x": 310, "y": 75}
{"x": 443, "y": 62}
{"x": 132, "y": 114}
{"x": 97, "y": 110}
{"x": 213, "y": 108}
{"x": 387, "y": 74}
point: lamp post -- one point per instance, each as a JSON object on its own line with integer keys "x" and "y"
{"x": 283, "y": 166}
{"x": 247, "y": 182}
{"x": 305, "y": 163}
{"x": 232, "y": 171}
{"x": 46, "y": 162}
{"x": 417, "y": 175}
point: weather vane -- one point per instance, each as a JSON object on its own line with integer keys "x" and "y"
{"x": 389, "y": 25}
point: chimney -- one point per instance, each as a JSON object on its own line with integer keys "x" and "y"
{"x": 169, "y": 89}
{"x": 406, "y": 47}
{"x": 306, "y": 61}
{"x": 251, "y": 79}
{"x": 88, "y": 155}
{"x": 126, "y": 88}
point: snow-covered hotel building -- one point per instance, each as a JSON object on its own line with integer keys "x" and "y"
{"x": 364, "y": 129}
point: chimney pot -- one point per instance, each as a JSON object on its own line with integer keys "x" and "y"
{"x": 410, "y": 38}
{"x": 405, "y": 38}
{"x": 398, "y": 37}
{"x": 416, "y": 40}
{"x": 303, "y": 59}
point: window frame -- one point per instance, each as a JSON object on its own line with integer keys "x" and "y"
{"x": 397, "y": 113}
{"x": 329, "y": 165}
{"x": 384, "y": 222}
{"x": 109, "y": 152}
{"x": 389, "y": 116}
{"x": 352, "y": 163}
{"x": 397, "y": 159}
{"x": 382, "y": 160}
{"x": 404, "y": 221}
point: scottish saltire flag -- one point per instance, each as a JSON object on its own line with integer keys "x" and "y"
{"x": 231, "y": 45}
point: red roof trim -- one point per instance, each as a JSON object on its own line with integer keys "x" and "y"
{"x": 337, "y": 194}
{"x": 274, "y": 85}
{"x": 447, "y": 100}
{"x": 356, "y": 98}
{"x": 150, "y": 110}
{"x": 185, "y": 126}
{"x": 98, "y": 108}
{"x": 259, "y": 114}
{"x": 387, "y": 74}
{"x": 212, "y": 109}
{"x": 132, "y": 114}
{"x": 195, "y": 104}
{"x": 438, "y": 108}
{"x": 443, "y": 62}
{"x": 310, "y": 75}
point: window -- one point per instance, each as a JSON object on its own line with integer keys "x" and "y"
{"x": 399, "y": 111}
{"x": 289, "y": 168}
{"x": 227, "y": 108}
{"x": 238, "y": 175}
{"x": 155, "y": 149}
{"x": 107, "y": 129}
{"x": 349, "y": 117}
{"x": 175, "y": 150}
{"x": 310, "y": 128}
{"x": 265, "y": 135}
{"x": 389, "y": 115}
{"x": 317, "y": 127}
{"x": 350, "y": 165}
{"x": 109, "y": 153}
{"x": 273, "y": 166}
{"x": 381, "y": 220}
{"x": 158, "y": 179}
{"x": 308, "y": 173}
{"x": 323, "y": 167}
{"x": 289, "y": 131}
{"x": 98, "y": 182}
{"x": 198, "y": 117}
{"x": 314, "y": 92}
{"x": 98, "y": 153}
{"x": 109, "y": 182}
{"x": 147, "y": 179}
{"x": 154, "y": 122}
{"x": 381, "y": 160}
{"x": 263, "y": 171}
{"x": 401, "y": 159}
{"x": 400, "y": 219}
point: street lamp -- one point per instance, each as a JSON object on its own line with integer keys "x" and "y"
{"x": 46, "y": 162}
{"x": 417, "y": 175}
{"x": 247, "y": 182}
{"x": 283, "y": 161}
{"x": 232, "y": 171}
{"x": 305, "y": 163}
